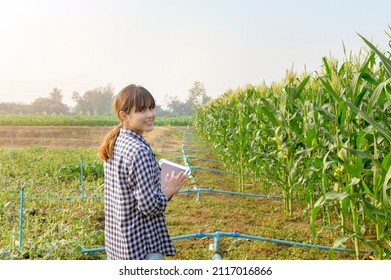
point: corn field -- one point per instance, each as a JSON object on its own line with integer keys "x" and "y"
{"x": 80, "y": 120}
{"x": 322, "y": 139}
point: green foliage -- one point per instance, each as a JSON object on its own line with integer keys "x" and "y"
{"x": 196, "y": 97}
{"x": 323, "y": 139}
{"x": 95, "y": 102}
{"x": 60, "y": 218}
{"x": 57, "y": 219}
{"x": 81, "y": 120}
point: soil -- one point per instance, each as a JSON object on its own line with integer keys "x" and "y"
{"x": 76, "y": 136}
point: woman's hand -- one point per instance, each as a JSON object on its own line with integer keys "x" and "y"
{"x": 172, "y": 183}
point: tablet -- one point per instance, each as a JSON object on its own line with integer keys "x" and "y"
{"x": 168, "y": 166}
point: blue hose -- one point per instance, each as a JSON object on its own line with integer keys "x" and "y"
{"x": 21, "y": 216}
{"x": 198, "y": 190}
{"x": 218, "y": 234}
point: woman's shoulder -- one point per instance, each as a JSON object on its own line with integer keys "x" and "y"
{"x": 131, "y": 141}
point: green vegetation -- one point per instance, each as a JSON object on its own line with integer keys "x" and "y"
{"x": 60, "y": 217}
{"x": 323, "y": 140}
{"x": 80, "y": 120}
{"x": 56, "y": 218}
{"x": 99, "y": 101}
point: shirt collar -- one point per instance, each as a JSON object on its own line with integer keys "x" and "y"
{"x": 133, "y": 134}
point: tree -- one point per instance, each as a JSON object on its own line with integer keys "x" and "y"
{"x": 14, "y": 108}
{"x": 56, "y": 95}
{"x": 177, "y": 107}
{"x": 51, "y": 105}
{"x": 97, "y": 101}
{"x": 160, "y": 111}
{"x": 197, "y": 96}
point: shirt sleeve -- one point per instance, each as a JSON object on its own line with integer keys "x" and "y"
{"x": 150, "y": 199}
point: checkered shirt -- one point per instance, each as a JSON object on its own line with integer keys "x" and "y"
{"x": 134, "y": 203}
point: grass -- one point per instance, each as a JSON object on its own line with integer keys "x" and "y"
{"x": 59, "y": 228}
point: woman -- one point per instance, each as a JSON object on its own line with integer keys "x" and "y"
{"x": 135, "y": 203}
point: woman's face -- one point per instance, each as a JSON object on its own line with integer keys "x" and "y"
{"x": 139, "y": 122}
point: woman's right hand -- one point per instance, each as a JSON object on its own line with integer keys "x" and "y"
{"x": 173, "y": 183}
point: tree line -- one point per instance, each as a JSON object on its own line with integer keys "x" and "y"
{"x": 99, "y": 101}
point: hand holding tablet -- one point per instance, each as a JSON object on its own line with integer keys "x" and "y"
{"x": 173, "y": 176}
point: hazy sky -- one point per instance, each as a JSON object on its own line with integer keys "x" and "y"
{"x": 167, "y": 45}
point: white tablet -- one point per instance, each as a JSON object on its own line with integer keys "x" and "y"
{"x": 168, "y": 166}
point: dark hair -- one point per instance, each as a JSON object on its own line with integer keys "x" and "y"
{"x": 129, "y": 97}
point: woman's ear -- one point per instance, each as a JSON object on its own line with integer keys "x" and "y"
{"x": 123, "y": 115}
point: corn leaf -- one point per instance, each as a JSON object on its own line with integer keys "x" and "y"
{"x": 383, "y": 58}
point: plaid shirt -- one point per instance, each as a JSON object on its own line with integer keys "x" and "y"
{"x": 134, "y": 203}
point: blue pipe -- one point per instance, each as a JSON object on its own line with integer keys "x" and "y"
{"x": 189, "y": 150}
{"x": 185, "y": 236}
{"x": 193, "y": 157}
{"x": 168, "y": 151}
{"x": 21, "y": 216}
{"x": 210, "y": 169}
{"x": 195, "y": 190}
{"x": 194, "y": 150}
{"x": 207, "y": 159}
{"x": 11, "y": 150}
{"x": 198, "y": 190}
{"x": 216, "y": 170}
{"x": 218, "y": 234}
{"x": 194, "y": 141}
{"x": 216, "y": 242}
{"x": 65, "y": 198}
{"x": 175, "y": 158}
{"x": 95, "y": 250}
{"x": 193, "y": 146}
{"x": 82, "y": 177}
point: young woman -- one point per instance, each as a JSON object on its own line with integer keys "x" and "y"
{"x": 135, "y": 226}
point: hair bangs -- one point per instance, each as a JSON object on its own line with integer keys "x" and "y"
{"x": 143, "y": 100}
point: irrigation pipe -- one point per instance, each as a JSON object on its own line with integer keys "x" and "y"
{"x": 193, "y": 146}
{"x": 218, "y": 234}
{"x": 188, "y": 150}
{"x": 21, "y": 207}
{"x": 21, "y": 215}
{"x": 65, "y": 198}
{"x": 11, "y": 150}
{"x": 199, "y": 190}
{"x": 210, "y": 169}
{"x": 193, "y": 157}
{"x": 82, "y": 177}
{"x": 235, "y": 234}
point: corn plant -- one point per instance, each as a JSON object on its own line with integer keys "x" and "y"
{"x": 323, "y": 139}
{"x": 363, "y": 153}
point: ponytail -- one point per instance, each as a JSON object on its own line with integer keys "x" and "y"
{"x": 106, "y": 149}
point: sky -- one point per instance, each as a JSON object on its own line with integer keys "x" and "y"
{"x": 167, "y": 45}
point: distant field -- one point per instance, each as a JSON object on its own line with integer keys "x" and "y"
{"x": 81, "y": 120}
{"x": 69, "y": 136}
